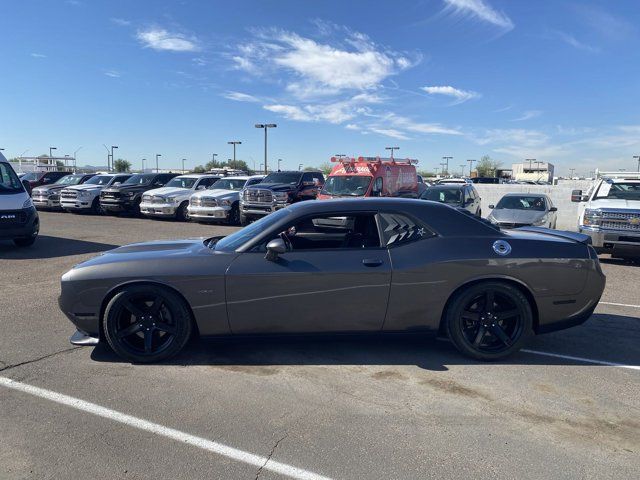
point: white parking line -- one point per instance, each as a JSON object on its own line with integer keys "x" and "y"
{"x": 214, "y": 447}
{"x": 620, "y": 304}
{"x": 581, "y": 359}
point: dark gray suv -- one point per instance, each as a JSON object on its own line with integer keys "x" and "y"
{"x": 457, "y": 195}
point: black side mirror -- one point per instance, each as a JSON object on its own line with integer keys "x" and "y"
{"x": 274, "y": 248}
{"x": 553, "y": 209}
{"x": 27, "y": 186}
{"x": 576, "y": 196}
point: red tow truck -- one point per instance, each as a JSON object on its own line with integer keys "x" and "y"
{"x": 371, "y": 177}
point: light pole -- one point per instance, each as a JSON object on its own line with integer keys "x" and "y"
{"x": 392, "y": 149}
{"x": 471, "y": 165}
{"x": 158, "y": 155}
{"x": 143, "y": 160}
{"x": 112, "y": 159}
{"x": 183, "y": 160}
{"x": 462, "y": 167}
{"x": 261, "y": 167}
{"x": 446, "y": 159}
{"x": 279, "y": 160}
{"x": 445, "y": 169}
{"x": 571, "y": 170}
{"x": 75, "y": 157}
{"x": 234, "y": 143}
{"x": 637, "y": 157}
{"x": 299, "y": 166}
{"x": 266, "y": 126}
{"x": 436, "y": 170}
{"x": 51, "y": 155}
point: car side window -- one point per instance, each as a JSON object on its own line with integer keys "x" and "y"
{"x": 253, "y": 181}
{"x": 316, "y": 178}
{"x": 206, "y": 182}
{"x": 398, "y": 229}
{"x": 331, "y": 232}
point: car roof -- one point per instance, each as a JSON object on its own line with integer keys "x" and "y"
{"x": 524, "y": 194}
{"x": 448, "y": 186}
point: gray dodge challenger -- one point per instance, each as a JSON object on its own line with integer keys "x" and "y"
{"x": 339, "y": 266}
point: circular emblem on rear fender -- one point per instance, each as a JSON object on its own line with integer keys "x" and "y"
{"x": 501, "y": 247}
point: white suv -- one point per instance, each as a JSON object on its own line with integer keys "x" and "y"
{"x": 172, "y": 199}
{"x": 86, "y": 197}
{"x": 221, "y": 201}
{"x": 610, "y": 213}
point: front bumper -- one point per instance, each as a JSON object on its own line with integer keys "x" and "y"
{"x": 610, "y": 240}
{"x": 209, "y": 213}
{"x": 50, "y": 201}
{"x": 76, "y": 204}
{"x": 158, "y": 209}
{"x": 121, "y": 205}
{"x": 260, "y": 209}
{"x": 21, "y": 229}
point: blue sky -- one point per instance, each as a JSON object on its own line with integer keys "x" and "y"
{"x": 554, "y": 80}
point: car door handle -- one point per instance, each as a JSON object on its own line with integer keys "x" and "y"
{"x": 372, "y": 262}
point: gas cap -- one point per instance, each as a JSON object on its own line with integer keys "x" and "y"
{"x": 501, "y": 247}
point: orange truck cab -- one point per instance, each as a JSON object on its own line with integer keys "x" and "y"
{"x": 371, "y": 177}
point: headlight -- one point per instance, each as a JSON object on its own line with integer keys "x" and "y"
{"x": 27, "y": 203}
{"x": 224, "y": 202}
{"x": 540, "y": 221}
{"x": 173, "y": 199}
{"x": 592, "y": 217}
{"x": 492, "y": 219}
{"x": 281, "y": 196}
{"x": 130, "y": 194}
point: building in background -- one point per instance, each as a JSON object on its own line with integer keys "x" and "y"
{"x": 533, "y": 171}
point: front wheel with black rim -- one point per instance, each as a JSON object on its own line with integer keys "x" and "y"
{"x": 244, "y": 220}
{"x": 147, "y": 323}
{"x": 182, "y": 214}
{"x": 234, "y": 215}
{"x": 489, "y": 320}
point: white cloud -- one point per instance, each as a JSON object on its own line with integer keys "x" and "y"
{"x": 460, "y": 95}
{"x": 290, "y": 112}
{"x": 482, "y": 11}
{"x": 161, "y": 39}
{"x": 112, "y": 73}
{"x": 240, "y": 97}
{"x": 389, "y": 132}
{"x": 352, "y": 126}
{"x": 121, "y": 22}
{"x": 528, "y": 115}
{"x": 575, "y": 43}
{"x": 38, "y": 55}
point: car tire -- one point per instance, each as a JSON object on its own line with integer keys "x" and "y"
{"x": 95, "y": 206}
{"x": 234, "y": 215}
{"x": 147, "y": 323}
{"x": 182, "y": 214}
{"x": 489, "y": 332}
{"x": 244, "y": 221}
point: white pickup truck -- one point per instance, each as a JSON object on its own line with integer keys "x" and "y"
{"x": 610, "y": 213}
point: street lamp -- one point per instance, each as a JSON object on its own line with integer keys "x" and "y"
{"x": 266, "y": 126}
{"x": 234, "y": 143}
{"x": 299, "y": 166}
{"x": 446, "y": 159}
{"x": 143, "y": 160}
{"x": 637, "y": 157}
{"x": 112, "y": 159}
{"x": 213, "y": 157}
{"x": 392, "y": 149}
{"x": 462, "y": 167}
{"x": 261, "y": 166}
{"x": 158, "y": 155}
{"x": 279, "y": 160}
{"x": 183, "y": 160}
{"x": 50, "y": 153}
{"x": 471, "y": 165}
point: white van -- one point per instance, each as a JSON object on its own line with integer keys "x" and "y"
{"x": 18, "y": 217}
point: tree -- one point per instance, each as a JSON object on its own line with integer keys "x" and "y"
{"x": 326, "y": 168}
{"x": 487, "y": 167}
{"x": 238, "y": 165}
{"x": 199, "y": 169}
{"x": 121, "y": 165}
{"x": 211, "y": 164}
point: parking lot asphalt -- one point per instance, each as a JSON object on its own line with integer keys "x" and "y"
{"x": 338, "y": 407}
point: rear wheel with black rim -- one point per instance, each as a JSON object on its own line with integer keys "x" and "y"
{"x": 489, "y": 321}
{"x": 147, "y": 323}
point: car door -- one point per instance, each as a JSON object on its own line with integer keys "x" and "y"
{"x": 335, "y": 279}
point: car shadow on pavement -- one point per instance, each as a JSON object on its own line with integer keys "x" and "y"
{"x": 625, "y": 262}
{"x": 258, "y": 353}
{"x": 51, "y": 247}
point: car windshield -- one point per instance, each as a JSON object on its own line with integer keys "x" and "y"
{"x": 619, "y": 190}
{"x": 99, "y": 180}
{"x": 140, "y": 179}
{"x": 347, "y": 185}
{"x": 182, "y": 182}
{"x": 239, "y": 238}
{"x": 283, "y": 177}
{"x": 229, "y": 184}
{"x": 452, "y": 196}
{"x": 521, "y": 203}
{"x": 9, "y": 181}
{"x": 32, "y": 176}
{"x": 70, "y": 180}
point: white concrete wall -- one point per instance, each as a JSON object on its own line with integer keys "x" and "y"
{"x": 560, "y": 196}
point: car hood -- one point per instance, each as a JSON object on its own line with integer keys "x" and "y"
{"x": 166, "y": 191}
{"x": 85, "y": 187}
{"x": 615, "y": 203}
{"x": 516, "y": 216}
{"x": 217, "y": 193}
{"x": 127, "y": 188}
{"x": 276, "y": 187}
{"x": 159, "y": 250}
{"x": 50, "y": 188}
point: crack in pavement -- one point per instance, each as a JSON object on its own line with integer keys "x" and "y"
{"x": 38, "y": 359}
{"x": 269, "y": 456}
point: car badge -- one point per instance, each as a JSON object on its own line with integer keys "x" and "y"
{"x": 634, "y": 221}
{"x": 501, "y": 247}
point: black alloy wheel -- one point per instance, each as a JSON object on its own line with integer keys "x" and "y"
{"x": 147, "y": 323}
{"x": 96, "y": 209}
{"x": 234, "y": 215}
{"x": 182, "y": 213}
{"x": 489, "y": 321}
